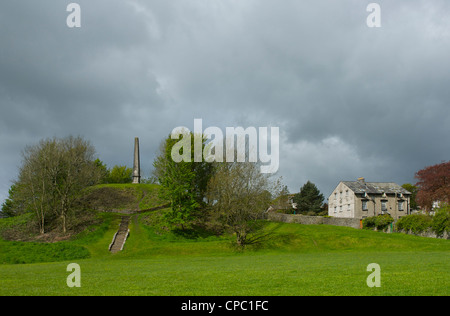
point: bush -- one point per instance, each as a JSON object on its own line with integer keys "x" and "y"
{"x": 369, "y": 222}
{"x": 441, "y": 221}
{"x": 416, "y": 223}
{"x": 380, "y": 222}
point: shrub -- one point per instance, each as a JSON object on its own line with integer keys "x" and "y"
{"x": 416, "y": 223}
{"x": 383, "y": 221}
{"x": 369, "y": 223}
{"x": 441, "y": 220}
{"x": 380, "y": 222}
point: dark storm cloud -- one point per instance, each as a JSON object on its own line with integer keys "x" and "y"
{"x": 321, "y": 74}
{"x": 349, "y": 100}
{"x": 56, "y": 81}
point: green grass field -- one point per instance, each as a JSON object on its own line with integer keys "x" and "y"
{"x": 296, "y": 260}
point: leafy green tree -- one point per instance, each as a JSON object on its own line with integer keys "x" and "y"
{"x": 120, "y": 174}
{"x": 413, "y": 189}
{"x": 238, "y": 194}
{"x": 103, "y": 171}
{"x": 52, "y": 176}
{"x": 309, "y": 200}
{"x": 10, "y": 207}
{"x": 183, "y": 182}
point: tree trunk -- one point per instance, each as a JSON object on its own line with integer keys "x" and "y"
{"x": 64, "y": 223}
{"x": 41, "y": 228}
{"x": 240, "y": 239}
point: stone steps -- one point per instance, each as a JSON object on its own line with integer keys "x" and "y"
{"x": 121, "y": 236}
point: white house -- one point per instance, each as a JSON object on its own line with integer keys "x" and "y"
{"x": 361, "y": 199}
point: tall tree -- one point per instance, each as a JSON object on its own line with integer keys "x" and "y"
{"x": 11, "y": 206}
{"x": 309, "y": 200}
{"x": 434, "y": 184}
{"x": 413, "y": 189}
{"x": 37, "y": 179}
{"x": 183, "y": 182}
{"x": 77, "y": 171}
{"x": 53, "y": 175}
{"x": 238, "y": 194}
{"x": 103, "y": 171}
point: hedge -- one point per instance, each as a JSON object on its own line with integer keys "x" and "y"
{"x": 418, "y": 223}
{"x": 380, "y": 222}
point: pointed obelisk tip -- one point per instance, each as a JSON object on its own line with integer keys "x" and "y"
{"x": 136, "y": 163}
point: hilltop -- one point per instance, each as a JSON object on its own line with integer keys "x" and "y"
{"x": 122, "y": 198}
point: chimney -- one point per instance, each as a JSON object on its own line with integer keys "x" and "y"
{"x": 361, "y": 181}
{"x": 136, "y": 164}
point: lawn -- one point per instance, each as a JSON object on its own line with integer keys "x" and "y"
{"x": 244, "y": 274}
{"x": 296, "y": 260}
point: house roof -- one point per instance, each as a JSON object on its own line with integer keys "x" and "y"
{"x": 375, "y": 187}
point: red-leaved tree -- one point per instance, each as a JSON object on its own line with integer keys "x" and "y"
{"x": 434, "y": 185}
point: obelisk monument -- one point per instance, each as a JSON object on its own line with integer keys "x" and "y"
{"x": 136, "y": 164}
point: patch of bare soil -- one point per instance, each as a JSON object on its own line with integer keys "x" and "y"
{"x": 110, "y": 199}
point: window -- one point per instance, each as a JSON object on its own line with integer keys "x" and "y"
{"x": 335, "y": 209}
{"x": 364, "y": 205}
{"x": 340, "y": 208}
{"x": 335, "y": 195}
{"x": 400, "y": 205}
{"x": 383, "y": 206}
{"x": 346, "y": 192}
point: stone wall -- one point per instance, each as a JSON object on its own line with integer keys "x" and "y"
{"x": 429, "y": 233}
{"x": 335, "y": 221}
{"x": 313, "y": 220}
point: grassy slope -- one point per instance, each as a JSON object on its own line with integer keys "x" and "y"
{"x": 301, "y": 260}
{"x": 296, "y": 260}
{"x": 117, "y": 197}
{"x": 135, "y": 197}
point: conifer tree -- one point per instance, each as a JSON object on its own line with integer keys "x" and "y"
{"x": 309, "y": 200}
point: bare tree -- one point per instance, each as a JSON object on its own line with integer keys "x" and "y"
{"x": 33, "y": 182}
{"x": 238, "y": 194}
{"x": 53, "y": 175}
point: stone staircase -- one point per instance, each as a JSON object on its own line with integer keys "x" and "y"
{"x": 121, "y": 236}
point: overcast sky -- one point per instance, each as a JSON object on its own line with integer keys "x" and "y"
{"x": 350, "y": 101}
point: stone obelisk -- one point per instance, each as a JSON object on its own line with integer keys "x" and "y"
{"x": 136, "y": 164}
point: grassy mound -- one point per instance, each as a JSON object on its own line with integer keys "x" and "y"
{"x": 122, "y": 197}
{"x": 21, "y": 242}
